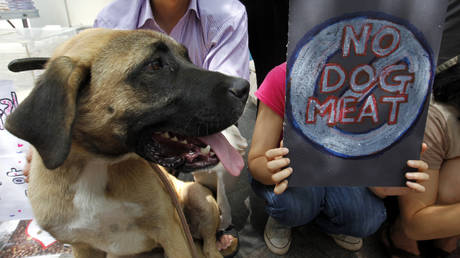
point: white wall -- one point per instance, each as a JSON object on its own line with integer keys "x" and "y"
{"x": 53, "y": 12}
{"x": 83, "y": 12}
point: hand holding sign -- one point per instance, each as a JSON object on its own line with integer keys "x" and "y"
{"x": 277, "y": 164}
{"x": 415, "y": 180}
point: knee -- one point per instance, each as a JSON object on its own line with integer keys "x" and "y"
{"x": 365, "y": 221}
{"x": 295, "y": 207}
{"x": 276, "y": 206}
{"x": 281, "y": 210}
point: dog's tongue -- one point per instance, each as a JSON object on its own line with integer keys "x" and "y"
{"x": 230, "y": 158}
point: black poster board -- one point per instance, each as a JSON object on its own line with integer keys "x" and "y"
{"x": 358, "y": 83}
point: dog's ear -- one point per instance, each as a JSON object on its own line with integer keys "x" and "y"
{"x": 27, "y": 64}
{"x": 46, "y": 116}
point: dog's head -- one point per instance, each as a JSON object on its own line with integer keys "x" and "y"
{"x": 114, "y": 92}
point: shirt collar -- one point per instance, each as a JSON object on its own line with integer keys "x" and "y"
{"x": 146, "y": 12}
{"x": 194, "y": 6}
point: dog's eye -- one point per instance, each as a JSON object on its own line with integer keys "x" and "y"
{"x": 155, "y": 65}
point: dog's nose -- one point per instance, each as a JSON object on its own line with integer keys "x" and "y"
{"x": 239, "y": 88}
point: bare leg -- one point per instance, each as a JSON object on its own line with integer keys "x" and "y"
{"x": 401, "y": 241}
{"x": 447, "y": 244}
{"x": 171, "y": 237}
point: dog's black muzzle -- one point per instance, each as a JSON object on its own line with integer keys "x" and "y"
{"x": 206, "y": 103}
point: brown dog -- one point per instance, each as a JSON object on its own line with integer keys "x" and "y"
{"x": 105, "y": 97}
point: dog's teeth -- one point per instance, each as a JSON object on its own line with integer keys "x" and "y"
{"x": 212, "y": 153}
{"x": 174, "y": 139}
{"x": 166, "y": 135}
{"x": 206, "y": 150}
{"x": 184, "y": 142}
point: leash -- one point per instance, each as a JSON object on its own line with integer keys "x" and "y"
{"x": 160, "y": 171}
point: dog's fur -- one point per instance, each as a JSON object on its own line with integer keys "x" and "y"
{"x": 99, "y": 92}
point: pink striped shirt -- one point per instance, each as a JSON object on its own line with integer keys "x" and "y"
{"x": 272, "y": 91}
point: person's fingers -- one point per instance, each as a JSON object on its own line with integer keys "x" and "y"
{"x": 419, "y": 164}
{"x": 415, "y": 186}
{"x": 221, "y": 243}
{"x": 26, "y": 171}
{"x": 417, "y": 176}
{"x": 424, "y": 147}
{"x": 29, "y": 155}
{"x": 219, "y": 246}
{"x": 278, "y": 152}
{"x": 224, "y": 242}
{"x": 281, "y": 175}
{"x": 277, "y": 164}
{"x": 281, "y": 187}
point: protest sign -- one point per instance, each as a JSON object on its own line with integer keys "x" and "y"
{"x": 13, "y": 188}
{"x": 358, "y": 84}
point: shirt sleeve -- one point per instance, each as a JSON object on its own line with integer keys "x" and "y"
{"x": 272, "y": 90}
{"x": 436, "y": 137}
{"x": 229, "y": 51}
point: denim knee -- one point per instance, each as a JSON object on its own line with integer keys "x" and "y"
{"x": 352, "y": 211}
{"x": 296, "y": 206}
{"x": 363, "y": 223}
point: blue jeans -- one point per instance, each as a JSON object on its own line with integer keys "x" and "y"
{"x": 354, "y": 211}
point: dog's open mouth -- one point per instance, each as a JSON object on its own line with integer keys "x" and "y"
{"x": 186, "y": 154}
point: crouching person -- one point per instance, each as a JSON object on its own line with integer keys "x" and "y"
{"x": 434, "y": 215}
{"x": 347, "y": 214}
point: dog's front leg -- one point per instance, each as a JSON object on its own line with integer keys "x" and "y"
{"x": 202, "y": 213}
{"x": 85, "y": 251}
{"x": 166, "y": 231}
{"x": 173, "y": 241}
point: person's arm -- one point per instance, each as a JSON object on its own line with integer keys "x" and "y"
{"x": 422, "y": 218}
{"x": 424, "y": 215}
{"x": 265, "y": 158}
{"x": 229, "y": 53}
{"x": 414, "y": 183}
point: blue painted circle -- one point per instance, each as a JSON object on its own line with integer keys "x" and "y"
{"x": 312, "y": 54}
